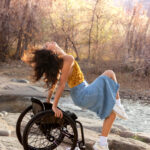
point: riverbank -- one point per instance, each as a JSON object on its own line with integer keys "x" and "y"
{"x": 120, "y": 138}
{"x": 15, "y": 97}
{"x": 130, "y": 87}
{"x": 15, "y": 93}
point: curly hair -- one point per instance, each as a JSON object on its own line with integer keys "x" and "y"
{"x": 45, "y": 64}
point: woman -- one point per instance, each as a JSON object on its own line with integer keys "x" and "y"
{"x": 101, "y": 96}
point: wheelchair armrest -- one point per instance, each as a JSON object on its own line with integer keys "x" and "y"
{"x": 72, "y": 115}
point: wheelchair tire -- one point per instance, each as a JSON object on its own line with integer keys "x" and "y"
{"x": 19, "y": 125}
{"x": 46, "y": 126}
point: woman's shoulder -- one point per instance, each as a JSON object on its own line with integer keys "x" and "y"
{"x": 69, "y": 58}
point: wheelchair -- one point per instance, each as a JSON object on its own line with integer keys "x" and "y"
{"x": 38, "y": 129}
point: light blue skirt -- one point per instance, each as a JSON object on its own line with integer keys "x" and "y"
{"x": 99, "y": 96}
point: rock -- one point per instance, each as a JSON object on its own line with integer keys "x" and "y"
{"x": 127, "y": 96}
{"x": 121, "y": 127}
{"x": 145, "y": 98}
{"x": 18, "y": 89}
{"x": 120, "y": 143}
{"x": 122, "y": 139}
{"x": 143, "y": 137}
{"x": 77, "y": 148}
{"x": 13, "y": 103}
{"x": 5, "y": 113}
{"x": 20, "y": 80}
{"x": 7, "y": 88}
{"x": 128, "y": 134}
{"x": 10, "y": 143}
{"x": 1, "y": 114}
{"x": 2, "y": 147}
{"x": 5, "y": 132}
{"x": 119, "y": 139}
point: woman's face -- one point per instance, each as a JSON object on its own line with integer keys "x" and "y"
{"x": 51, "y": 46}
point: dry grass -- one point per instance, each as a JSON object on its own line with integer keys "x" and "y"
{"x": 127, "y": 79}
{"x": 15, "y": 69}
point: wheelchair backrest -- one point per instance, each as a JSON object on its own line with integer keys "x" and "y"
{"x": 37, "y": 105}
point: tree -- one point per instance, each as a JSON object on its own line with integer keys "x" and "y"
{"x": 4, "y": 28}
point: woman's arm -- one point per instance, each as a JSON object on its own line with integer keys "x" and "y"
{"x": 50, "y": 92}
{"x": 68, "y": 63}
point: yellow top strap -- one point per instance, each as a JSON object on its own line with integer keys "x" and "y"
{"x": 76, "y": 77}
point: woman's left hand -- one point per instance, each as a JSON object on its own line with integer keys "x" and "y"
{"x": 58, "y": 112}
{"x": 50, "y": 45}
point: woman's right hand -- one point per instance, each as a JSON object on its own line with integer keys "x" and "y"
{"x": 58, "y": 112}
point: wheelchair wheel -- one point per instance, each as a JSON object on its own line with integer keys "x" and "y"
{"x": 24, "y": 118}
{"x": 22, "y": 121}
{"x": 46, "y": 132}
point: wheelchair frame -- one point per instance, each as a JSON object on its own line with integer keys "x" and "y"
{"x": 39, "y": 109}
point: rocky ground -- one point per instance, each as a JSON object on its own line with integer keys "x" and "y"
{"x": 15, "y": 86}
{"x": 10, "y": 88}
{"x": 119, "y": 139}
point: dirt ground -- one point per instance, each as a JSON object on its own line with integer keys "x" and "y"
{"x": 15, "y": 69}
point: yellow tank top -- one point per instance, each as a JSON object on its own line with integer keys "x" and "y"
{"x": 76, "y": 77}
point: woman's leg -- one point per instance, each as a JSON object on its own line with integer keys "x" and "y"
{"x": 109, "y": 120}
{"x": 118, "y": 108}
{"x": 112, "y": 75}
{"x": 108, "y": 124}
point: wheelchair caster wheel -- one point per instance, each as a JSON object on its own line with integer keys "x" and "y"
{"x": 81, "y": 145}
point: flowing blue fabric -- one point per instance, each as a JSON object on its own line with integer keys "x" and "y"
{"x": 99, "y": 96}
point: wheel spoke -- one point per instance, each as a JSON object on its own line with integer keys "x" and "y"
{"x": 42, "y": 133}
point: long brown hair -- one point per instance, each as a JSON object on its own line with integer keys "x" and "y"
{"x": 45, "y": 64}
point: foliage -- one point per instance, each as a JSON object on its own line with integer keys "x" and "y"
{"x": 93, "y": 30}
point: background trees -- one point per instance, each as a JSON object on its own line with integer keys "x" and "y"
{"x": 97, "y": 30}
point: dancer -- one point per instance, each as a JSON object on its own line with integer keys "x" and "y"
{"x": 101, "y": 96}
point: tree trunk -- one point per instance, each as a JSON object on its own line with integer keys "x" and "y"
{"x": 66, "y": 45}
{"x": 20, "y": 33}
{"x": 28, "y": 30}
{"x": 90, "y": 31}
{"x": 19, "y": 43}
{"x": 74, "y": 46}
{"x": 128, "y": 36}
{"x": 4, "y": 33}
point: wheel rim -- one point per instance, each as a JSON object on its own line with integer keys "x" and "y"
{"x": 41, "y": 135}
